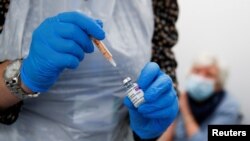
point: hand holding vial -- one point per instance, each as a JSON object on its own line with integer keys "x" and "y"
{"x": 153, "y": 105}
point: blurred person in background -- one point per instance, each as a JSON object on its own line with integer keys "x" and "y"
{"x": 205, "y": 102}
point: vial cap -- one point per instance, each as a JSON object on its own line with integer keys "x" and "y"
{"x": 126, "y": 80}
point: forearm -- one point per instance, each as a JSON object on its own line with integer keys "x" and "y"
{"x": 6, "y": 98}
{"x": 191, "y": 125}
{"x": 169, "y": 133}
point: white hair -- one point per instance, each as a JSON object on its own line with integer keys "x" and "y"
{"x": 206, "y": 59}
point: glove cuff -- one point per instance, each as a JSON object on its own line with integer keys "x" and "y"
{"x": 137, "y": 138}
{"x": 32, "y": 85}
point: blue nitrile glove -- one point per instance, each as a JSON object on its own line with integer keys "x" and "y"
{"x": 58, "y": 43}
{"x": 152, "y": 118}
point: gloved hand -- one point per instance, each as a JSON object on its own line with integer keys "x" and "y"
{"x": 152, "y": 118}
{"x": 58, "y": 43}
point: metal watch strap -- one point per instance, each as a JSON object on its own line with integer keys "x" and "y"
{"x": 16, "y": 90}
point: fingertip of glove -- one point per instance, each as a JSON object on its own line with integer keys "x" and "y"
{"x": 99, "y": 22}
{"x": 128, "y": 103}
{"x": 148, "y": 74}
{"x": 153, "y": 65}
{"x": 90, "y": 48}
{"x": 100, "y": 34}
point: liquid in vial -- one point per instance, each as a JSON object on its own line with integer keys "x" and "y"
{"x": 135, "y": 94}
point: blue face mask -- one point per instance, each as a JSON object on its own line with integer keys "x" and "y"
{"x": 199, "y": 88}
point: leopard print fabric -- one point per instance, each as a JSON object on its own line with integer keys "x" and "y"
{"x": 10, "y": 115}
{"x": 4, "y": 5}
{"x": 165, "y": 36}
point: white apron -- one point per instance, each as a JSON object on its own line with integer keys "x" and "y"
{"x": 85, "y": 104}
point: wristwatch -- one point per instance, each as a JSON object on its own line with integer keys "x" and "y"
{"x": 13, "y": 82}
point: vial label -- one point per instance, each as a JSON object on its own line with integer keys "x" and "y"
{"x": 136, "y": 95}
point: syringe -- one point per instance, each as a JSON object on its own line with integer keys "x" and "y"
{"x": 104, "y": 50}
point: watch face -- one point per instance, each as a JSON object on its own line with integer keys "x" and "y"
{"x": 12, "y": 70}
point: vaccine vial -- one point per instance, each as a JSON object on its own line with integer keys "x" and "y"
{"x": 135, "y": 94}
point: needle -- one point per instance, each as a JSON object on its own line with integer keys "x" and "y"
{"x": 104, "y": 50}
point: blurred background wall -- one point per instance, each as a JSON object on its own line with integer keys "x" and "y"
{"x": 221, "y": 27}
